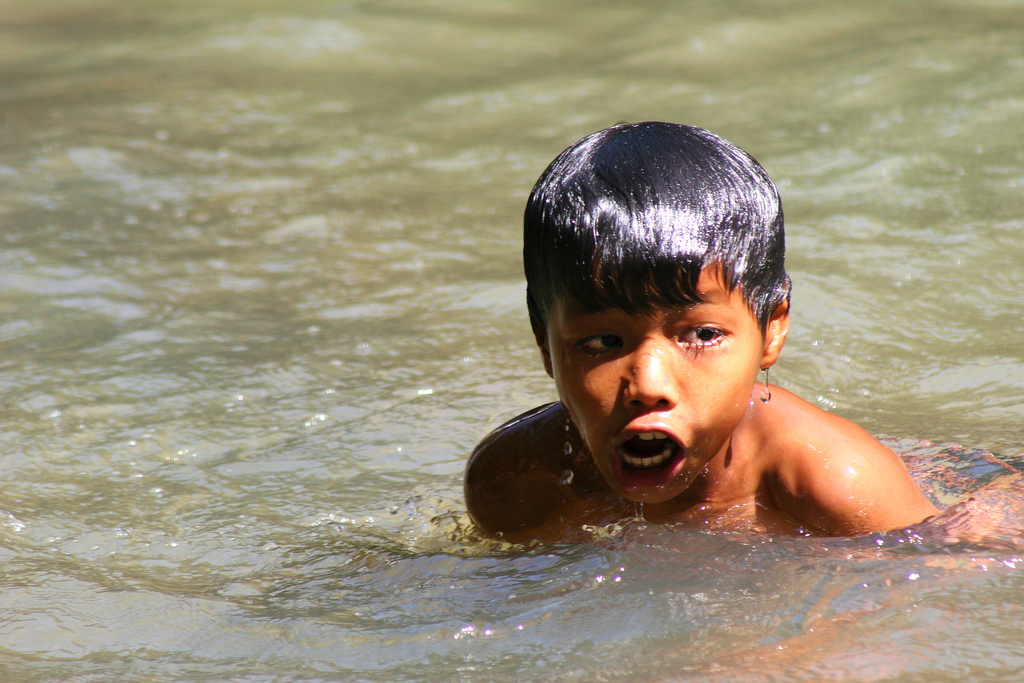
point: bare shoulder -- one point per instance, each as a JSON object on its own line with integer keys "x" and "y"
{"x": 833, "y": 475}
{"x": 528, "y": 472}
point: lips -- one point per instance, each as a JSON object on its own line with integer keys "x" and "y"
{"x": 650, "y": 465}
{"x": 648, "y": 450}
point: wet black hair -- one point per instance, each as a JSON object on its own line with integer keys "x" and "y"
{"x": 629, "y": 216}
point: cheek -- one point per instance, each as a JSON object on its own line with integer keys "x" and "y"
{"x": 599, "y": 387}
{"x": 727, "y": 391}
{"x": 588, "y": 394}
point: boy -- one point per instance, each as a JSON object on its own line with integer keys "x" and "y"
{"x": 657, "y": 293}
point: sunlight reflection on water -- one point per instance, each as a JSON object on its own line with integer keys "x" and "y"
{"x": 262, "y": 295}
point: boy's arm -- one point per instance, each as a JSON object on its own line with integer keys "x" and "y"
{"x": 515, "y": 478}
{"x": 837, "y": 478}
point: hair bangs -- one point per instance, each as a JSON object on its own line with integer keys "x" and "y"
{"x": 636, "y": 286}
{"x": 629, "y": 217}
{"x": 628, "y": 267}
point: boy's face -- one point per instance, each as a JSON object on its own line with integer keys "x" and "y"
{"x": 657, "y": 397}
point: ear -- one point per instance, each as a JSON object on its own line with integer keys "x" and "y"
{"x": 545, "y": 350}
{"x": 775, "y": 334}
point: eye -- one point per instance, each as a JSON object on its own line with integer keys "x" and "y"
{"x": 600, "y": 343}
{"x": 703, "y": 336}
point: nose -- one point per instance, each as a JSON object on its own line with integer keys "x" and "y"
{"x": 650, "y": 382}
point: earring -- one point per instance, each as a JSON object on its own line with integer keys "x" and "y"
{"x": 766, "y": 393}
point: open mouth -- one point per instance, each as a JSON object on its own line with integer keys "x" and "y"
{"x": 648, "y": 450}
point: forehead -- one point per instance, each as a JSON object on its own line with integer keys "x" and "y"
{"x": 713, "y": 293}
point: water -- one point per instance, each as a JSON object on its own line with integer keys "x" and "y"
{"x": 261, "y": 295}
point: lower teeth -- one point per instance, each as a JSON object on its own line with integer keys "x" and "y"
{"x": 651, "y": 460}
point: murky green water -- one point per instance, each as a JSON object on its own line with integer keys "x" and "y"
{"x": 261, "y": 294}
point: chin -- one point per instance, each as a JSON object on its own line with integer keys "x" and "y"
{"x": 652, "y": 497}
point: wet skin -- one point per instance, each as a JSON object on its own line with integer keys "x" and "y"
{"x": 663, "y": 409}
{"x": 674, "y": 384}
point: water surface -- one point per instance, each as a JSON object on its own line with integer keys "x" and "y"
{"x": 261, "y": 294}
